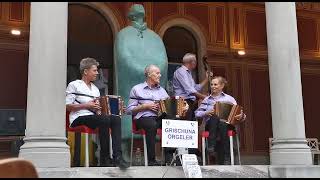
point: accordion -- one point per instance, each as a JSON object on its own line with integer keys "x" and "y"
{"x": 227, "y": 111}
{"x": 111, "y": 105}
{"x": 173, "y": 108}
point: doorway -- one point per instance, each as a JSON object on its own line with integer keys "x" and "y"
{"x": 178, "y": 41}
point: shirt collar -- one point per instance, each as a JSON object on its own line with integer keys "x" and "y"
{"x": 185, "y": 68}
{"x": 222, "y": 94}
{"x": 145, "y": 85}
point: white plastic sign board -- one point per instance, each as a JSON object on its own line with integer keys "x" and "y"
{"x": 179, "y": 133}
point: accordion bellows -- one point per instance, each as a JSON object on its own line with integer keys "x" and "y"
{"x": 111, "y": 105}
{"x": 227, "y": 111}
{"x": 174, "y": 107}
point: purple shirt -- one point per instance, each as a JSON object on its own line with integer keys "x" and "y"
{"x": 208, "y": 103}
{"x": 183, "y": 83}
{"x": 143, "y": 91}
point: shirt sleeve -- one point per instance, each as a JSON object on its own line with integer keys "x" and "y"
{"x": 132, "y": 102}
{"x": 182, "y": 77}
{"x": 202, "y": 109}
{"x": 70, "y": 98}
{"x": 166, "y": 96}
{"x": 198, "y": 87}
{"x": 233, "y": 101}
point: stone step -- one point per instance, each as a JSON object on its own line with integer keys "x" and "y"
{"x": 212, "y": 171}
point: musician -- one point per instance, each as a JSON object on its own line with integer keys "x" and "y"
{"x": 185, "y": 86}
{"x": 145, "y": 109}
{"x": 213, "y": 123}
{"x": 84, "y": 110}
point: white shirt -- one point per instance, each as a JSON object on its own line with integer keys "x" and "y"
{"x": 79, "y": 86}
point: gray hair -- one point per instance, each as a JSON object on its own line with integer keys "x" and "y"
{"x": 148, "y": 69}
{"x": 189, "y": 57}
{"x": 87, "y": 63}
{"x": 221, "y": 80}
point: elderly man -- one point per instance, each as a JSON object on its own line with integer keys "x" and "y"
{"x": 213, "y": 123}
{"x": 84, "y": 110}
{"x": 142, "y": 105}
{"x": 185, "y": 86}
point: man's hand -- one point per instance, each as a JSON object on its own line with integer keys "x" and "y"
{"x": 240, "y": 116}
{"x": 210, "y": 113}
{"x": 209, "y": 74}
{"x": 93, "y": 105}
{"x": 151, "y": 106}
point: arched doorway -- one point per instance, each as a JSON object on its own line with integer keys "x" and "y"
{"x": 89, "y": 35}
{"x": 178, "y": 41}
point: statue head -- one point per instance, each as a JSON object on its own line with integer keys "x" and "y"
{"x": 136, "y": 13}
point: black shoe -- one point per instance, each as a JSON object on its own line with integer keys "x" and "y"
{"x": 154, "y": 163}
{"x": 121, "y": 163}
{"x": 227, "y": 161}
{"x": 106, "y": 162}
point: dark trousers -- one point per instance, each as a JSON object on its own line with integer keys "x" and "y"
{"x": 193, "y": 105}
{"x": 103, "y": 123}
{"x": 150, "y": 125}
{"x": 219, "y": 129}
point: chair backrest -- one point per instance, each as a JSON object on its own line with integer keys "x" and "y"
{"x": 67, "y": 119}
{"x": 17, "y": 168}
{"x": 313, "y": 144}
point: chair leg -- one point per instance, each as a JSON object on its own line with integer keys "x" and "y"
{"x": 86, "y": 162}
{"x": 145, "y": 151}
{"x": 313, "y": 161}
{"x": 162, "y": 152}
{"x": 231, "y": 150}
{"x": 238, "y": 145}
{"x": 110, "y": 146}
{"x": 131, "y": 149}
{"x": 203, "y": 152}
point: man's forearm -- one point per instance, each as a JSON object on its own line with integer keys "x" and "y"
{"x": 199, "y": 95}
{"x": 204, "y": 82}
{"x": 138, "y": 109}
{"x": 76, "y": 107}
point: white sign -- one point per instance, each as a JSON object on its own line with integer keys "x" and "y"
{"x": 190, "y": 166}
{"x": 194, "y": 171}
{"x": 179, "y": 133}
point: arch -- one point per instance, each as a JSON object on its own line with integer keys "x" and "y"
{"x": 106, "y": 12}
{"x": 109, "y": 14}
{"x": 195, "y": 30}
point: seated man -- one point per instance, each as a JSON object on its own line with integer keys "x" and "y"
{"x": 142, "y": 105}
{"x": 213, "y": 123}
{"x": 81, "y": 102}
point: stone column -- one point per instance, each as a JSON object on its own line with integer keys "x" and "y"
{"x": 290, "y": 145}
{"x": 45, "y": 140}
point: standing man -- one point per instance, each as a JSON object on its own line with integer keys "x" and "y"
{"x": 185, "y": 86}
{"x": 142, "y": 105}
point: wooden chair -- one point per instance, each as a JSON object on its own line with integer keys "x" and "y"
{"x": 17, "y": 168}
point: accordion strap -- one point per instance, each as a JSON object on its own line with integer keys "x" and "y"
{"x": 80, "y": 94}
